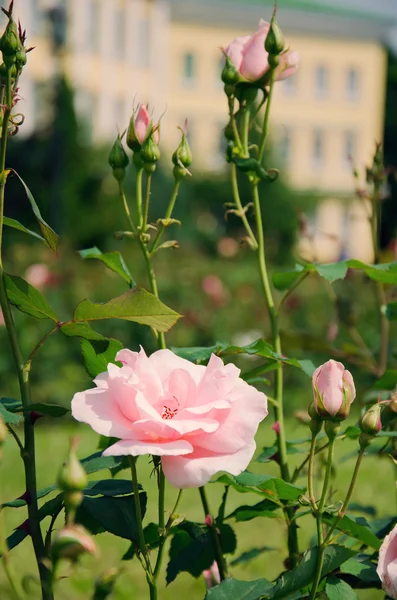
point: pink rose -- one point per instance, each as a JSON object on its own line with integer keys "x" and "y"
{"x": 140, "y": 127}
{"x": 250, "y": 58}
{"x": 200, "y": 420}
{"x": 387, "y": 565}
{"x": 333, "y": 389}
{"x": 38, "y": 275}
{"x": 211, "y": 575}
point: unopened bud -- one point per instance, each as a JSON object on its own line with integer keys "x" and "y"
{"x": 370, "y": 422}
{"x": 230, "y": 75}
{"x": 274, "y": 42}
{"x": 149, "y": 153}
{"x": 105, "y": 583}
{"x": 70, "y": 542}
{"x": 10, "y": 43}
{"x": 183, "y": 155}
{"x": 118, "y": 159}
{"x": 72, "y": 476}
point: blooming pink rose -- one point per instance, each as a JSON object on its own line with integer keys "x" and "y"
{"x": 142, "y": 122}
{"x": 200, "y": 420}
{"x": 333, "y": 389}
{"x": 387, "y": 565}
{"x": 212, "y": 576}
{"x": 250, "y": 58}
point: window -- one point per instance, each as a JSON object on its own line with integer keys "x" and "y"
{"x": 142, "y": 41}
{"x": 286, "y": 145}
{"x": 322, "y": 81}
{"x": 318, "y": 148}
{"x": 188, "y": 68}
{"x": 352, "y": 84}
{"x": 92, "y": 24}
{"x": 119, "y": 34}
{"x": 349, "y": 148}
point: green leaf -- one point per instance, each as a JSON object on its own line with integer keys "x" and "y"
{"x": 108, "y": 487}
{"x": 9, "y": 417}
{"x": 113, "y": 514}
{"x": 17, "y": 225}
{"x": 192, "y": 548}
{"x": 151, "y": 534}
{"x": 134, "y": 305}
{"x": 198, "y": 353}
{"x": 265, "y": 508}
{"x": 11, "y": 404}
{"x": 333, "y": 271}
{"x": 113, "y": 260}
{"x": 303, "y": 574}
{"x": 81, "y": 330}
{"x": 354, "y": 528}
{"x": 336, "y": 589}
{"x": 363, "y": 570}
{"x": 271, "y": 487}
{"x": 96, "y": 462}
{"x": 49, "y": 410}
{"x": 49, "y": 234}
{"x": 285, "y": 279}
{"x": 233, "y": 589}
{"x": 330, "y": 272}
{"x": 391, "y": 311}
{"x": 388, "y": 381}
{"x": 48, "y": 509}
{"x": 27, "y": 299}
{"x": 250, "y": 555}
{"x": 19, "y": 502}
{"x": 97, "y": 355}
{"x": 384, "y": 272}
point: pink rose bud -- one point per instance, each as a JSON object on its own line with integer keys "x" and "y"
{"x": 251, "y": 60}
{"x": 387, "y": 564}
{"x": 334, "y": 391}
{"x": 211, "y": 575}
{"x": 72, "y": 541}
{"x": 198, "y": 420}
{"x": 140, "y": 128}
{"x": 276, "y": 427}
{"x": 208, "y": 520}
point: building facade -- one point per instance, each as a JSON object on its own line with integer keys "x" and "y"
{"x": 167, "y": 53}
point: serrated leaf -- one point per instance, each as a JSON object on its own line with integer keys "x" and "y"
{"x": 98, "y": 354}
{"x": 49, "y": 234}
{"x": 354, "y": 528}
{"x": 384, "y": 272}
{"x": 113, "y": 260}
{"x": 9, "y": 417}
{"x": 365, "y": 570}
{"x": 49, "y": 410}
{"x": 192, "y": 549}
{"x": 303, "y": 574}
{"x": 250, "y": 555}
{"x": 136, "y": 305}
{"x": 233, "y": 589}
{"x": 27, "y": 299}
{"x": 81, "y": 330}
{"x": 17, "y": 225}
{"x": 336, "y": 589}
{"x": 273, "y": 488}
{"x": 113, "y": 514}
{"x": 19, "y": 502}
{"x": 96, "y": 462}
{"x": 333, "y": 271}
{"x": 265, "y": 508}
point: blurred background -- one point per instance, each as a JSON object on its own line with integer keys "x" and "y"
{"x": 93, "y": 60}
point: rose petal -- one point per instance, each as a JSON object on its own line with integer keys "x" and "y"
{"x": 197, "y": 469}
{"x": 136, "y": 448}
{"x": 97, "y": 408}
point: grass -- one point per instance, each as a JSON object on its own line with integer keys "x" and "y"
{"x": 376, "y": 486}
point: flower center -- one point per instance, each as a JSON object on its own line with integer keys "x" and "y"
{"x": 171, "y": 410}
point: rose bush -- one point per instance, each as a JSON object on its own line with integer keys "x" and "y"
{"x": 250, "y": 58}
{"x": 200, "y": 420}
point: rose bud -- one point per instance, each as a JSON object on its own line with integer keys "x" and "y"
{"x": 250, "y": 58}
{"x": 274, "y": 42}
{"x": 387, "y": 564}
{"x": 150, "y": 153}
{"x": 72, "y": 476}
{"x": 370, "y": 422}
{"x": 72, "y": 541}
{"x": 211, "y": 575}
{"x": 139, "y": 128}
{"x": 334, "y": 391}
{"x": 10, "y": 42}
{"x": 118, "y": 159}
{"x": 182, "y": 157}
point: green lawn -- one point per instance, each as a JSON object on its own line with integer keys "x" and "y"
{"x": 376, "y": 486}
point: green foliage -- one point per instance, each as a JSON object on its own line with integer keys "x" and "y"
{"x": 113, "y": 260}
{"x": 27, "y": 299}
{"x": 17, "y": 225}
{"x": 357, "y": 529}
{"x": 273, "y": 488}
{"x": 336, "y": 589}
{"x": 232, "y": 589}
{"x": 98, "y": 354}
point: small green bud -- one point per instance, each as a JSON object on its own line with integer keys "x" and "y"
{"x": 118, "y": 159}
{"x": 149, "y": 153}
{"x": 370, "y": 422}
{"x": 72, "y": 476}
{"x": 230, "y": 75}
{"x": 183, "y": 154}
{"x": 104, "y": 585}
{"x": 10, "y": 43}
{"x": 274, "y": 42}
